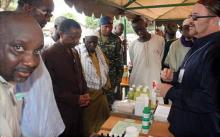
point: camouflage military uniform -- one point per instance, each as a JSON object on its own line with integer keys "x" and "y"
{"x": 111, "y": 47}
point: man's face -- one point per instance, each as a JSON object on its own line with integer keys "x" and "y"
{"x": 119, "y": 30}
{"x": 71, "y": 38}
{"x": 106, "y": 29}
{"x": 185, "y": 30}
{"x": 200, "y": 26}
{"x": 43, "y": 12}
{"x": 91, "y": 43}
{"x": 19, "y": 50}
{"x": 140, "y": 29}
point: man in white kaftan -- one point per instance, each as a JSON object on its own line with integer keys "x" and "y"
{"x": 145, "y": 54}
{"x": 41, "y": 117}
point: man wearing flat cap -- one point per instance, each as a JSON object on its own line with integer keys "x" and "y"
{"x": 195, "y": 110}
{"x": 111, "y": 47}
{"x": 95, "y": 69}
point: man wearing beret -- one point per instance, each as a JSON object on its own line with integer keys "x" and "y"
{"x": 111, "y": 47}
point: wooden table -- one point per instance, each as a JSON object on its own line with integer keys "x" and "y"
{"x": 158, "y": 129}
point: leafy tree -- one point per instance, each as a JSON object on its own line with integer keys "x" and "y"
{"x": 92, "y": 22}
{"x": 128, "y": 24}
{"x": 69, "y": 15}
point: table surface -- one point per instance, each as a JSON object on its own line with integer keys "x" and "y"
{"x": 158, "y": 129}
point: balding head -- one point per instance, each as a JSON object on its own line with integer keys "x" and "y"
{"x": 205, "y": 17}
{"x": 41, "y": 10}
{"x": 57, "y": 23}
{"x": 213, "y": 6}
{"x": 185, "y": 29}
{"x": 21, "y": 39}
{"x": 186, "y": 22}
{"x": 118, "y": 29}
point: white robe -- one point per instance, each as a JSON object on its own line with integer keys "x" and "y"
{"x": 176, "y": 55}
{"x": 41, "y": 117}
{"x": 146, "y": 61}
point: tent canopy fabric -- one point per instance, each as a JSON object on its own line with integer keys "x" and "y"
{"x": 151, "y": 9}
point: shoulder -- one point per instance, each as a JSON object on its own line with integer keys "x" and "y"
{"x": 81, "y": 49}
{"x": 175, "y": 43}
{"x": 157, "y": 37}
{"x": 134, "y": 42}
{"x": 131, "y": 45}
{"x": 55, "y": 49}
{"x": 157, "y": 40}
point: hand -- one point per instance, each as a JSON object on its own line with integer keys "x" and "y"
{"x": 124, "y": 42}
{"x": 84, "y": 100}
{"x": 166, "y": 75}
{"x": 162, "y": 89}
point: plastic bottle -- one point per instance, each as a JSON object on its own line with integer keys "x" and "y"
{"x": 123, "y": 93}
{"x": 137, "y": 93}
{"x": 153, "y": 96}
{"x": 144, "y": 92}
{"x": 133, "y": 86}
{"x": 124, "y": 80}
{"x": 131, "y": 94}
{"x": 146, "y": 120}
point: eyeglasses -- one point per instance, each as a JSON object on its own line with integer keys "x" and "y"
{"x": 196, "y": 17}
{"x": 45, "y": 13}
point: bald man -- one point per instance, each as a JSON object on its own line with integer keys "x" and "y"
{"x": 180, "y": 47}
{"x": 40, "y": 114}
{"x": 19, "y": 56}
{"x": 195, "y": 87}
{"x": 41, "y": 10}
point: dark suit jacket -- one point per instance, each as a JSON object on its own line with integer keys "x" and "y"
{"x": 65, "y": 69}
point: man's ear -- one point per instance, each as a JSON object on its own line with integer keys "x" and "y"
{"x": 56, "y": 27}
{"x": 61, "y": 34}
{"x": 27, "y": 8}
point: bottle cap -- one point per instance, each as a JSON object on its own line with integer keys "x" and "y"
{"x": 146, "y": 110}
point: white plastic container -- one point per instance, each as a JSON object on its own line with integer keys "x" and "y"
{"x": 131, "y": 132}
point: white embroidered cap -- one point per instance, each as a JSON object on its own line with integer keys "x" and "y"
{"x": 90, "y": 32}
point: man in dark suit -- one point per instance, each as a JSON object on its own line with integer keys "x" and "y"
{"x": 63, "y": 64}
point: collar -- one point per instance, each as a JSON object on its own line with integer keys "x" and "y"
{"x": 187, "y": 43}
{"x": 209, "y": 38}
{"x": 4, "y": 82}
{"x": 10, "y": 88}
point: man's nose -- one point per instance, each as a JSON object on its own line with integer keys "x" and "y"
{"x": 31, "y": 60}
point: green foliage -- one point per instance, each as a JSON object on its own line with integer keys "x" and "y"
{"x": 69, "y": 15}
{"x": 128, "y": 24}
{"x": 92, "y": 22}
